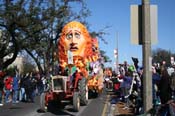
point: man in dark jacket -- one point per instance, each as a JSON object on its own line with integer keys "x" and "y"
{"x": 30, "y": 85}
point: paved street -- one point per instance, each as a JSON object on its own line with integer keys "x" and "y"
{"x": 116, "y": 107}
{"x": 101, "y": 106}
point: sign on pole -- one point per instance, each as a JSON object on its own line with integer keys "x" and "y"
{"x": 136, "y": 24}
{"x": 115, "y": 53}
{"x": 70, "y": 57}
{"x": 0, "y": 32}
{"x": 172, "y": 60}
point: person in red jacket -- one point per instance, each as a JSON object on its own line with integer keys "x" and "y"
{"x": 8, "y": 88}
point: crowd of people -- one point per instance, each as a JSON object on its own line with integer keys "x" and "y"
{"x": 128, "y": 85}
{"x": 21, "y": 88}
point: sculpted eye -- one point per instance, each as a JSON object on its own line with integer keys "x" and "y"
{"x": 69, "y": 36}
{"x": 77, "y": 35}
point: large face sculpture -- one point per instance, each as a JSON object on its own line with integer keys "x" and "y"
{"x": 75, "y": 38}
{"x": 75, "y": 41}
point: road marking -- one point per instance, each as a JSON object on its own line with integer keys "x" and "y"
{"x": 117, "y": 111}
{"x": 83, "y": 108}
{"x": 105, "y": 107}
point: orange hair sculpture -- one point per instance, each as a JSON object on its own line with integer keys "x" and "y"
{"x": 70, "y": 32}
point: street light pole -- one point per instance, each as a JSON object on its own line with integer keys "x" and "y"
{"x": 117, "y": 54}
{"x": 146, "y": 50}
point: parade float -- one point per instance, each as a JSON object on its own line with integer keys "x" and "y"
{"x": 79, "y": 68}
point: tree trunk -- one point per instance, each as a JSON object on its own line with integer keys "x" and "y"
{"x": 36, "y": 60}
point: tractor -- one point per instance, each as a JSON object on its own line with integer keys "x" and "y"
{"x": 63, "y": 89}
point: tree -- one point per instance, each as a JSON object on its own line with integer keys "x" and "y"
{"x": 7, "y": 38}
{"x": 100, "y": 34}
{"x": 105, "y": 57}
{"x": 35, "y": 25}
{"x": 28, "y": 64}
{"x": 160, "y": 55}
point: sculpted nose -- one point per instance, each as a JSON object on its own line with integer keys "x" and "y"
{"x": 73, "y": 39}
{"x": 72, "y": 44}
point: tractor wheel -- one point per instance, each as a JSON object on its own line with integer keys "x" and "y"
{"x": 43, "y": 107}
{"x": 83, "y": 90}
{"x": 76, "y": 101}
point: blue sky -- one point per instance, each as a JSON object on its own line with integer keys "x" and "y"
{"x": 116, "y": 13}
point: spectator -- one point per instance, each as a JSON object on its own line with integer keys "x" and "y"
{"x": 22, "y": 95}
{"x": 31, "y": 87}
{"x": 8, "y": 88}
{"x": 40, "y": 85}
{"x": 165, "y": 91}
{"x": 155, "y": 81}
{"x": 26, "y": 83}
{"x": 125, "y": 88}
{"x": 117, "y": 81}
{"x": 139, "y": 100}
{"x": 15, "y": 87}
{"x": 172, "y": 84}
{"x": 1, "y": 86}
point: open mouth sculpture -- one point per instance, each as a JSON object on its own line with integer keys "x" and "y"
{"x": 73, "y": 47}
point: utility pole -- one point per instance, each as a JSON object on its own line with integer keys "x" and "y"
{"x": 1, "y": 59}
{"x": 116, "y": 54}
{"x": 146, "y": 50}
